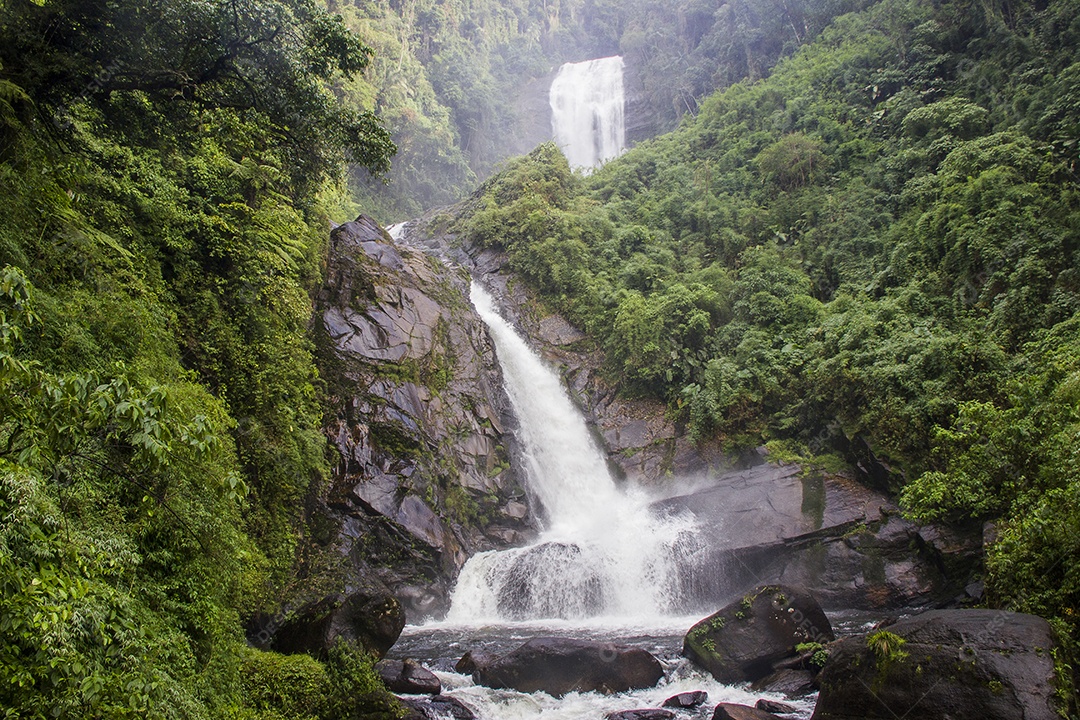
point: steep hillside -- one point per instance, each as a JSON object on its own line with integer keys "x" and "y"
{"x": 463, "y": 85}
{"x": 166, "y": 171}
{"x": 867, "y": 259}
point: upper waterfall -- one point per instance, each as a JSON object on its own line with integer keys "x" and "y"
{"x": 602, "y": 551}
{"x": 588, "y": 111}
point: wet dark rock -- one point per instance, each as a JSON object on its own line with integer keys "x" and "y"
{"x": 643, "y": 714}
{"x": 472, "y": 661}
{"x": 746, "y": 638}
{"x": 687, "y": 699}
{"x": 790, "y": 682}
{"x": 732, "y": 711}
{"x": 838, "y": 539}
{"x": 956, "y": 664}
{"x": 774, "y": 707}
{"x": 561, "y": 665}
{"x": 418, "y": 418}
{"x": 438, "y": 707}
{"x": 408, "y": 677}
{"x": 371, "y": 617}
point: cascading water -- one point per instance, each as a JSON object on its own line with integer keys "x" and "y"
{"x": 588, "y": 111}
{"x": 602, "y": 553}
{"x": 605, "y": 568}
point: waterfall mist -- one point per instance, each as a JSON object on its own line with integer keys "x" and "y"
{"x": 602, "y": 552}
{"x": 588, "y": 111}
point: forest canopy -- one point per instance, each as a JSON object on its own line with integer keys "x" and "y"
{"x": 167, "y": 170}
{"x": 858, "y": 248}
{"x": 867, "y": 259}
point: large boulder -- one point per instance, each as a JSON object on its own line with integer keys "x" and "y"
{"x": 560, "y": 665}
{"x": 955, "y": 664}
{"x": 369, "y": 616}
{"x": 745, "y": 639}
{"x": 408, "y": 677}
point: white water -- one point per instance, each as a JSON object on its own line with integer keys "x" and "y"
{"x": 602, "y": 553}
{"x": 438, "y": 645}
{"x": 588, "y": 111}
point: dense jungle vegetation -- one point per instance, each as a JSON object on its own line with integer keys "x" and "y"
{"x": 868, "y": 253}
{"x": 451, "y": 77}
{"x": 871, "y": 257}
{"x": 166, "y": 169}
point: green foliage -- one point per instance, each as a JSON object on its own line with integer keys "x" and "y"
{"x": 868, "y": 252}
{"x": 887, "y": 647}
{"x": 164, "y": 169}
{"x": 819, "y": 654}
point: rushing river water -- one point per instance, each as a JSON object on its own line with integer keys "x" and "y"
{"x": 439, "y": 645}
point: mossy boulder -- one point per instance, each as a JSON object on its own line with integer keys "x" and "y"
{"x": 744, "y": 640}
{"x": 956, "y": 664}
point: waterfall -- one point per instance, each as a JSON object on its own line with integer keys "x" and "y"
{"x": 602, "y": 552}
{"x": 587, "y": 111}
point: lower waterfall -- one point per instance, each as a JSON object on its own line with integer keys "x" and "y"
{"x": 602, "y": 552}
{"x": 588, "y": 111}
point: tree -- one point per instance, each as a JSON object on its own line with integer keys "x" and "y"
{"x": 267, "y": 59}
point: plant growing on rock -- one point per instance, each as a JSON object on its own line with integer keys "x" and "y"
{"x": 818, "y": 653}
{"x": 887, "y": 646}
{"x": 888, "y": 651}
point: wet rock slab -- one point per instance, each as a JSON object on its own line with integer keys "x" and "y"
{"x": 956, "y": 664}
{"x": 643, "y": 714}
{"x": 558, "y": 666}
{"x": 732, "y": 711}
{"x": 692, "y": 699}
{"x": 438, "y": 707}
{"x": 408, "y": 677}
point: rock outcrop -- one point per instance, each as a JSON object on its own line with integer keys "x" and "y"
{"x": 745, "y": 640}
{"x": 830, "y": 534}
{"x": 366, "y": 614}
{"x": 956, "y": 664}
{"x": 408, "y": 677}
{"x": 419, "y": 418}
{"x": 561, "y": 665}
{"x": 839, "y": 540}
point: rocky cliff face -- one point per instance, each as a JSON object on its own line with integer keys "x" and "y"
{"x": 425, "y": 437}
{"x": 419, "y": 417}
{"x": 643, "y": 445}
{"x": 764, "y": 522}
